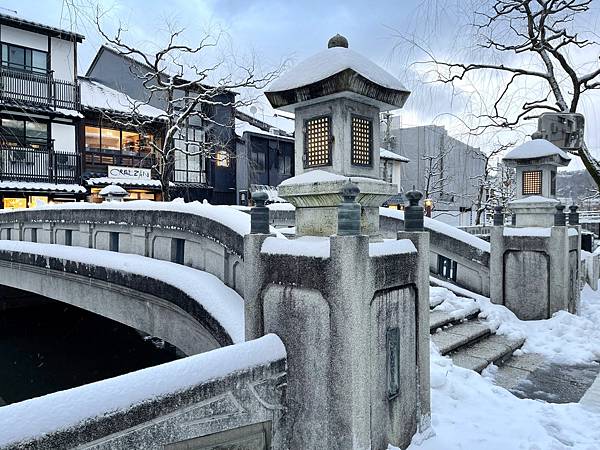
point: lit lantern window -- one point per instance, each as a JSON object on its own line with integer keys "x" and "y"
{"x": 362, "y": 141}
{"x": 317, "y": 142}
{"x": 532, "y": 182}
{"x": 222, "y": 158}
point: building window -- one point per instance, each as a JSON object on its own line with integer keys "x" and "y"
{"x": 447, "y": 268}
{"x": 553, "y": 182}
{"x": 22, "y": 58}
{"x": 258, "y": 160}
{"x": 317, "y": 142}
{"x": 285, "y": 164}
{"x": 532, "y": 182}
{"x": 362, "y": 141}
{"x": 386, "y": 169}
{"x": 23, "y": 133}
{"x": 222, "y": 158}
{"x": 114, "y": 140}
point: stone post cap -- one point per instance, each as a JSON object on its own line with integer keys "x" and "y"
{"x": 337, "y": 41}
{"x": 498, "y": 208}
{"x": 414, "y": 197}
{"x": 573, "y": 208}
{"x": 349, "y": 191}
{"x": 559, "y": 216}
{"x": 560, "y": 208}
{"x": 260, "y": 198}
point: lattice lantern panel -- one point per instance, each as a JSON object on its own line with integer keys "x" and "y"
{"x": 532, "y": 182}
{"x": 362, "y": 141}
{"x": 318, "y": 142}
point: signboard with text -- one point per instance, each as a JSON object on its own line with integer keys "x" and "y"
{"x": 133, "y": 173}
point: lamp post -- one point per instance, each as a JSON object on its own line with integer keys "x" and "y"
{"x": 428, "y": 204}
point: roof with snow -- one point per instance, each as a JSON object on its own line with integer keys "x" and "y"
{"x": 95, "y": 95}
{"x": 538, "y": 149}
{"x": 241, "y": 127}
{"x": 114, "y": 190}
{"x": 387, "y": 154}
{"x": 332, "y": 71}
{"x": 37, "y": 27}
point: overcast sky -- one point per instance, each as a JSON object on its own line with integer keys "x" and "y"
{"x": 276, "y": 31}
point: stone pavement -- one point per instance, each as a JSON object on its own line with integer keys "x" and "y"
{"x": 530, "y": 376}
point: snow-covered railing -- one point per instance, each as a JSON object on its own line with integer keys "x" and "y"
{"x": 589, "y": 216}
{"x": 198, "y": 235}
{"x": 225, "y": 389}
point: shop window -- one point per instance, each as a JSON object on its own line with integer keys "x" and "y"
{"x": 222, "y": 158}
{"x": 115, "y": 140}
{"x": 447, "y": 268}
{"x": 362, "y": 141}
{"x": 110, "y": 139}
{"x": 37, "y": 200}
{"x": 14, "y": 203}
{"x": 317, "y": 142}
{"x": 22, "y": 58}
{"x": 532, "y": 182}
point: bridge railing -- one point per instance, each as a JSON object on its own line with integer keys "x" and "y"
{"x": 192, "y": 235}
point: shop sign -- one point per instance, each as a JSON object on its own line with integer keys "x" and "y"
{"x": 133, "y": 173}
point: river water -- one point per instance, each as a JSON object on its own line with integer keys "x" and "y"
{"x": 52, "y": 346}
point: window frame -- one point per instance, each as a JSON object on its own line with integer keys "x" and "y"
{"x": 447, "y": 268}
{"x": 523, "y": 183}
{"x": 352, "y": 137}
{"x": 25, "y": 67}
{"x": 305, "y": 156}
{"x": 25, "y": 140}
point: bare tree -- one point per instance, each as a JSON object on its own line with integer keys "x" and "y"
{"x": 490, "y": 183}
{"x": 188, "y": 89}
{"x": 510, "y": 30}
{"x": 435, "y": 178}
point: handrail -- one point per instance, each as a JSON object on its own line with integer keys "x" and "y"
{"x": 43, "y": 164}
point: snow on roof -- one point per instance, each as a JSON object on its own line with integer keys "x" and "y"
{"x": 98, "y": 96}
{"x": 34, "y": 186}
{"x": 124, "y": 181}
{"x": 387, "y": 154}
{"x": 220, "y": 301}
{"x": 60, "y": 410}
{"x": 241, "y": 127}
{"x": 113, "y": 189}
{"x": 442, "y": 228}
{"x": 536, "y": 148}
{"x": 330, "y": 62}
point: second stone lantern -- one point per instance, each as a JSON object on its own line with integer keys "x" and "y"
{"x": 336, "y": 95}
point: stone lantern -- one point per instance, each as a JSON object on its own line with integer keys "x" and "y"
{"x": 336, "y": 95}
{"x": 536, "y": 163}
{"x": 113, "y": 193}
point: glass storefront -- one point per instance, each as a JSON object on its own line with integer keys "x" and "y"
{"x": 114, "y": 140}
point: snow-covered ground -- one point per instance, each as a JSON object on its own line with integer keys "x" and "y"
{"x": 469, "y": 412}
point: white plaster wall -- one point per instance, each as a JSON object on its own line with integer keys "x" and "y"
{"x": 24, "y": 38}
{"x": 63, "y": 59}
{"x": 64, "y": 137}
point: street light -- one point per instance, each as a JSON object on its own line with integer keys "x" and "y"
{"x": 428, "y": 204}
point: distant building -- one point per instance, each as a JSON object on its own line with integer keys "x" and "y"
{"x": 196, "y": 176}
{"x": 439, "y": 164}
{"x": 390, "y": 169}
{"x": 264, "y": 157}
{"x": 39, "y": 114}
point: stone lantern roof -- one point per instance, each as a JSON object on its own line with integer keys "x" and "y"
{"x": 537, "y": 151}
{"x": 333, "y": 71}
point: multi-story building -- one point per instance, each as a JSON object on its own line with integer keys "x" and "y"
{"x": 197, "y": 175}
{"x": 441, "y": 166}
{"x": 39, "y": 114}
{"x": 264, "y": 157}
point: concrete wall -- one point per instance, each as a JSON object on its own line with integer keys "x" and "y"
{"x": 209, "y": 246}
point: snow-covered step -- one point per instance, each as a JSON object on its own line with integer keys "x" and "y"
{"x": 459, "y": 335}
{"x": 440, "y": 319}
{"x": 493, "y": 349}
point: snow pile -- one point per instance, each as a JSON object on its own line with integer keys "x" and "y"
{"x": 534, "y": 199}
{"x": 220, "y": 301}
{"x": 330, "y": 62}
{"x": 537, "y": 148}
{"x": 391, "y": 247}
{"x": 312, "y": 246}
{"x": 448, "y": 302}
{"x": 442, "y": 228}
{"x": 237, "y": 221}
{"x": 64, "y": 409}
{"x": 113, "y": 189}
{"x": 527, "y": 231}
{"x": 98, "y": 96}
{"x": 323, "y": 176}
{"x": 470, "y": 413}
{"x": 283, "y": 206}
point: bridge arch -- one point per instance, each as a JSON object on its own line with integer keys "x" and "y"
{"x": 148, "y": 303}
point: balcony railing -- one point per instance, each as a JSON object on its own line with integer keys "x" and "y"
{"x": 44, "y": 164}
{"x": 96, "y": 161}
{"x": 36, "y": 89}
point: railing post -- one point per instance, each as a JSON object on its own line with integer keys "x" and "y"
{"x": 413, "y": 214}
{"x": 559, "y": 216}
{"x": 259, "y": 214}
{"x": 573, "y": 215}
{"x": 498, "y": 216}
{"x": 349, "y": 211}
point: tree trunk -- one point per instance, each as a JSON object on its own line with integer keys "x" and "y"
{"x": 590, "y": 164}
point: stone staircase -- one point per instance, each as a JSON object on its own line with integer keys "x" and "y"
{"x": 468, "y": 341}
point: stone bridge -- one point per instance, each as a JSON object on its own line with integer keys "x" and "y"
{"x": 175, "y": 303}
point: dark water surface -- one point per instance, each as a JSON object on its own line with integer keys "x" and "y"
{"x": 51, "y": 346}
